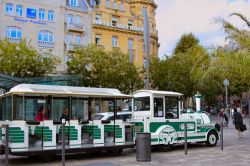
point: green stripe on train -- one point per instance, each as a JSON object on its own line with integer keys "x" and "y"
{"x": 92, "y": 130}
{"x": 71, "y": 131}
{"x": 176, "y": 125}
{"x": 16, "y": 135}
{"x": 110, "y": 130}
{"x": 181, "y": 138}
{"x": 43, "y": 131}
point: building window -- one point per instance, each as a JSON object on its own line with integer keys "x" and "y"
{"x": 98, "y": 18}
{"x": 130, "y": 43}
{"x": 46, "y": 36}
{"x": 108, "y": 4}
{"x": 115, "y": 5}
{"x": 9, "y": 8}
{"x": 122, "y": 7}
{"x": 78, "y": 40}
{"x": 19, "y": 10}
{"x": 13, "y": 32}
{"x": 70, "y": 38}
{"x": 114, "y": 21}
{"x": 73, "y": 3}
{"x": 41, "y": 14}
{"x": 130, "y": 23}
{"x": 78, "y": 20}
{"x": 70, "y": 19}
{"x": 51, "y": 15}
{"x": 115, "y": 41}
{"x": 98, "y": 39}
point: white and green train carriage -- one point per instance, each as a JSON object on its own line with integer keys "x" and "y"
{"x": 159, "y": 113}
{"x": 19, "y": 107}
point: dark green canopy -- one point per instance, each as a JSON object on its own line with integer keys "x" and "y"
{"x": 7, "y": 81}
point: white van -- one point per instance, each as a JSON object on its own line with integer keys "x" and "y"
{"x": 125, "y": 116}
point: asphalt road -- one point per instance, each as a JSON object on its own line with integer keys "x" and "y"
{"x": 236, "y": 153}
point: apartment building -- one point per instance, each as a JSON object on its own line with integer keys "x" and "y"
{"x": 50, "y": 26}
{"x": 58, "y": 25}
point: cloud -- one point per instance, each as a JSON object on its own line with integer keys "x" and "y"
{"x": 176, "y": 17}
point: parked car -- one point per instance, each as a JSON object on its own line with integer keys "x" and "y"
{"x": 125, "y": 116}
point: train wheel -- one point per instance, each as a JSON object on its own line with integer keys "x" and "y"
{"x": 212, "y": 139}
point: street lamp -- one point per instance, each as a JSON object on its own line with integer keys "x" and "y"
{"x": 226, "y": 84}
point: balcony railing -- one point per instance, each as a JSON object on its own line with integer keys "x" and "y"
{"x": 117, "y": 25}
{"x": 13, "y": 40}
{"x": 72, "y": 47}
{"x": 75, "y": 27}
{"x": 45, "y": 44}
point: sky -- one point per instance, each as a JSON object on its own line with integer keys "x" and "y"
{"x": 177, "y": 17}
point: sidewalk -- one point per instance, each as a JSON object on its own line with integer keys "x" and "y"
{"x": 236, "y": 153}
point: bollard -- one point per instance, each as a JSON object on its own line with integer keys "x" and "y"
{"x": 63, "y": 143}
{"x": 185, "y": 136}
{"x": 221, "y": 133}
{"x": 143, "y": 147}
{"x": 6, "y": 126}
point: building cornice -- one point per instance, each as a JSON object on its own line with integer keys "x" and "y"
{"x": 115, "y": 29}
{"x": 144, "y": 2}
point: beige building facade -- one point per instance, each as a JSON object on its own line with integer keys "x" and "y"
{"x": 51, "y": 26}
{"x": 57, "y": 25}
{"x": 119, "y": 23}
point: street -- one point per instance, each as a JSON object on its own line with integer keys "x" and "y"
{"x": 235, "y": 153}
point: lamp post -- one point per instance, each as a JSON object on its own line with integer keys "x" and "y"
{"x": 226, "y": 84}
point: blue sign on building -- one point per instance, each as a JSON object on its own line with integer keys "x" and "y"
{"x": 31, "y": 13}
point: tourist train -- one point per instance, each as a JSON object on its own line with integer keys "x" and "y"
{"x": 157, "y": 112}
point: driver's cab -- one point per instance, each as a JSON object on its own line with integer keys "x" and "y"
{"x": 151, "y": 104}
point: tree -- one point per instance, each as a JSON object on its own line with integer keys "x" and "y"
{"x": 102, "y": 68}
{"x": 181, "y": 72}
{"x": 235, "y": 66}
{"x": 186, "y": 42}
{"x": 240, "y": 36}
{"x": 22, "y": 60}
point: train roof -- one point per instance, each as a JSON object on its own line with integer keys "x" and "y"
{"x": 66, "y": 90}
{"x": 156, "y": 92}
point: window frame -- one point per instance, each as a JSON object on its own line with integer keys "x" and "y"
{"x": 114, "y": 41}
{"x": 122, "y": 7}
{"x": 8, "y": 8}
{"x": 41, "y": 14}
{"x": 145, "y": 100}
{"x": 115, "y": 5}
{"x": 46, "y": 34}
{"x": 98, "y": 38}
{"x": 70, "y": 18}
{"x": 11, "y": 30}
{"x": 130, "y": 43}
{"x": 98, "y": 17}
{"x": 172, "y": 106}
{"x": 78, "y": 20}
{"x": 73, "y": 3}
{"x": 78, "y": 37}
{"x": 156, "y": 114}
{"x": 19, "y": 10}
{"x": 51, "y": 14}
{"x": 108, "y": 4}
